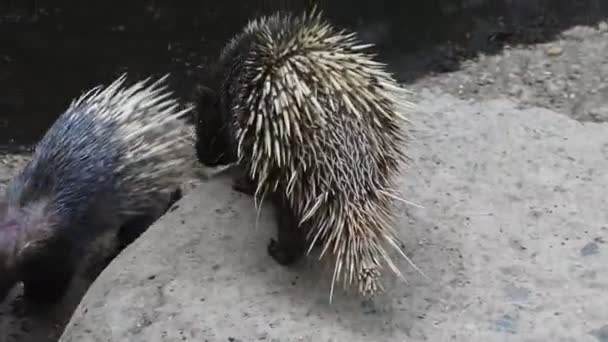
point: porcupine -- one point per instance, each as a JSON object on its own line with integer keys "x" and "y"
{"x": 317, "y": 124}
{"x": 114, "y": 159}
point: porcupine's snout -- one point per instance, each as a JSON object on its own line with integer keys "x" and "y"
{"x": 28, "y": 236}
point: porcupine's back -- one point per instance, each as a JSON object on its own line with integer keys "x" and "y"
{"x": 317, "y": 119}
{"x": 118, "y": 149}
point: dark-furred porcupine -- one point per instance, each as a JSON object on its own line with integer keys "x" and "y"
{"x": 114, "y": 159}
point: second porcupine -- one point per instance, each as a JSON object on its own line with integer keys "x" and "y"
{"x": 115, "y": 159}
{"x": 315, "y": 122}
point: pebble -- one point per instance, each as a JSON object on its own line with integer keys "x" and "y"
{"x": 590, "y": 249}
{"x": 601, "y": 334}
{"x": 554, "y": 51}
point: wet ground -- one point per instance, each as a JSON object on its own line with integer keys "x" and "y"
{"x": 543, "y": 53}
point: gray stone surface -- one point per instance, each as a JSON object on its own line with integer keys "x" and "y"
{"x": 512, "y": 235}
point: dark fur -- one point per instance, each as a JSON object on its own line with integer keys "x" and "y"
{"x": 215, "y": 145}
{"x": 134, "y": 227}
{"x": 48, "y": 268}
{"x": 212, "y": 139}
{"x": 290, "y": 245}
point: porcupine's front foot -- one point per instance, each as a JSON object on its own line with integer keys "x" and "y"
{"x": 47, "y": 286}
{"x": 244, "y": 184}
{"x": 137, "y": 225}
{"x": 291, "y": 243}
{"x": 47, "y": 274}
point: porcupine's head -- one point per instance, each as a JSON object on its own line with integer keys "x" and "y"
{"x": 216, "y": 105}
{"x": 22, "y": 232}
{"x": 249, "y": 89}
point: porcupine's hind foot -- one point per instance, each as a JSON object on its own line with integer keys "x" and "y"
{"x": 47, "y": 274}
{"x": 244, "y": 184}
{"x": 291, "y": 243}
{"x": 133, "y": 228}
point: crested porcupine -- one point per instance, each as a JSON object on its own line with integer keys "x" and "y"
{"x": 115, "y": 159}
{"x": 319, "y": 125}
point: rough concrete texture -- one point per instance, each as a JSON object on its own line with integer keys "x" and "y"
{"x": 568, "y": 74}
{"x": 512, "y": 234}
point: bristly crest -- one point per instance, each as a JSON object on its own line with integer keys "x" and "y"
{"x": 127, "y": 144}
{"x": 144, "y": 125}
{"x": 116, "y": 152}
{"x": 319, "y": 120}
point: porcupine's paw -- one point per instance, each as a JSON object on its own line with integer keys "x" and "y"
{"x": 47, "y": 289}
{"x": 47, "y": 280}
{"x": 245, "y": 185}
{"x": 176, "y": 195}
{"x": 132, "y": 230}
{"x": 280, "y": 254}
{"x": 137, "y": 225}
{"x": 291, "y": 243}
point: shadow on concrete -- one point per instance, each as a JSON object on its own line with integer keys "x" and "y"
{"x": 54, "y": 50}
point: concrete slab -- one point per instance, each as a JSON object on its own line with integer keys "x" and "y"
{"x": 512, "y": 234}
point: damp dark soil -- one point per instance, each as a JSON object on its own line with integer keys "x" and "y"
{"x": 52, "y": 51}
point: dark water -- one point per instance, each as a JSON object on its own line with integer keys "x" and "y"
{"x": 52, "y": 51}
